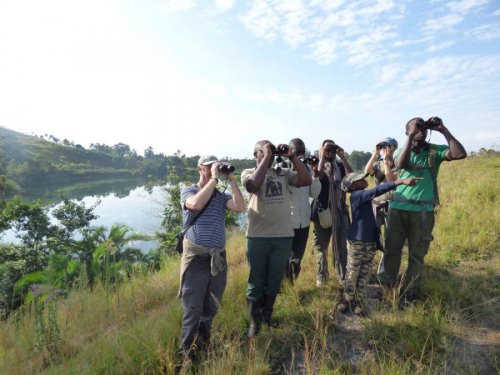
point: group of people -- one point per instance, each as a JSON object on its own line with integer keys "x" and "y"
{"x": 280, "y": 212}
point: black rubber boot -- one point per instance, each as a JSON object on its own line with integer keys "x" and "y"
{"x": 267, "y": 310}
{"x": 254, "y": 308}
{"x": 204, "y": 335}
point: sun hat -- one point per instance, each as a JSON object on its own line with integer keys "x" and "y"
{"x": 207, "y": 160}
{"x": 350, "y": 178}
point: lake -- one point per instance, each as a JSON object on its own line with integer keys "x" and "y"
{"x": 140, "y": 209}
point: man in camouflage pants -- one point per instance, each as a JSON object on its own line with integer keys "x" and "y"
{"x": 362, "y": 238}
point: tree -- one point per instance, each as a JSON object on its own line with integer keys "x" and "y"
{"x": 121, "y": 149}
{"x": 358, "y": 159}
{"x": 172, "y": 219}
{"x": 149, "y": 153}
{"x": 15, "y": 262}
{"x": 29, "y": 222}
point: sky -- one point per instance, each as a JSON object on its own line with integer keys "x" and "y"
{"x": 215, "y": 76}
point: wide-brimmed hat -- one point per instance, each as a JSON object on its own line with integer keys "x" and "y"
{"x": 350, "y": 178}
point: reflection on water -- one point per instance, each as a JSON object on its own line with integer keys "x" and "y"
{"x": 102, "y": 188}
{"x": 139, "y": 207}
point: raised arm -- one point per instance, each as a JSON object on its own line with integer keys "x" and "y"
{"x": 303, "y": 175}
{"x": 347, "y": 166}
{"x": 236, "y": 203}
{"x": 456, "y": 151}
{"x": 390, "y": 175}
{"x": 369, "y": 165}
{"x": 199, "y": 200}
{"x": 403, "y": 159}
{"x": 255, "y": 181}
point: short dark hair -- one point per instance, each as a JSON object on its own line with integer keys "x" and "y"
{"x": 417, "y": 119}
{"x": 297, "y": 143}
{"x": 327, "y": 141}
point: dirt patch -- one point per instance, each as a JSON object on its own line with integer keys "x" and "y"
{"x": 478, "y": 351}
{"x": 476, "y": 347}
{"x": 347, "y": 343}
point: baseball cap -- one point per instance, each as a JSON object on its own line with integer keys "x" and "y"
{"x": 350, "y": 178}
{"x": 390, "y": 141}
{"x": 207, "y": 160}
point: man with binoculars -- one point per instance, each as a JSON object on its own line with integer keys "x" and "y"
{"x": 301, "y": 208}
{"x": 270, "y": 229}
{"x": 411, "y": 214}
{"x": 381, "y": 167}
{"x": 203, "y": 263}
{"x": 330, "y": 212}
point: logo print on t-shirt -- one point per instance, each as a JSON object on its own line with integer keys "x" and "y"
{"x": 274, "y": 188}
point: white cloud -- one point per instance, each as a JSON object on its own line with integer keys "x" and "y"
{"x": 441, "y": 46}
{"x": 465, "y": 6}
{"x": 497, "y": 13}
{"x": 224, "y": 5}
{"x": 410, "y": 42}
{"x": 262, "y": 20}
{"x": 381, "y": 6}
{"x": 173, "y": 6}
{"x": 327, "y": 28}
{"x": 389, "y": 73}
{"x": 450, "y": 83}
{"x": 294, "y": 18}
{"x": 323, "y": 51}
{"x": 291, "y": 97}
{"x": 485, "y": 32}
{"x": 442, "y": 23}
{"x": 369, "y": 48}
{"x": 328, "y": 5}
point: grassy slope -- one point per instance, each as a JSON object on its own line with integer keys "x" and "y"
{"x": 22, "y": 147}
{"x": 71, "y": 164}
{"x": 135, "y": 328}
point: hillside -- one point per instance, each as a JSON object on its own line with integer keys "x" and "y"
{"x": 29, "y": 161}
{"x": 134, "y": 328}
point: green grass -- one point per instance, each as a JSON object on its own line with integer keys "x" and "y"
{"x": 136, "y": 330}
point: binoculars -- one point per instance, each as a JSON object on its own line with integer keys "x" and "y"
{"x": 280, "y": 150}
{"x": 225, "y": 168}
{"x": 431, "y": 123}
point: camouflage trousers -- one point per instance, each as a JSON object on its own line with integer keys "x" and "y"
{"x": 360, "y": 255}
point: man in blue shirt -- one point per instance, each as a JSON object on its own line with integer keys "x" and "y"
{"x": 361, "y": 237}
{"x": 203, "y": 263}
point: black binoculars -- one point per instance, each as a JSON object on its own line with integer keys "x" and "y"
{"x": 280, "y": 150}
{"x": 431, "y": 123}
{"x": 311, "y": 160}
{"x": 332, "y": 147}
{"x": 225, "y": 168}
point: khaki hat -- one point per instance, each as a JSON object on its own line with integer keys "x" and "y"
{"x": 207, "y": 160}
{"x": 350, "y": 178}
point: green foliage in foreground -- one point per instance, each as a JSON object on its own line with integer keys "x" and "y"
{"x": 134, "y": 327}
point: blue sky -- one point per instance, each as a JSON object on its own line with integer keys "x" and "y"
{"x": 216, "y": 76}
